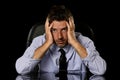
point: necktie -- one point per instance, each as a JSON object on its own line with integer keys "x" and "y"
{"x": 62, "y": 62}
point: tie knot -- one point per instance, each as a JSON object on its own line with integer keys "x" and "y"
{"x": 62, "y": 51}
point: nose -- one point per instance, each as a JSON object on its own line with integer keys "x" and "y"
{"x": 59, "y": 35}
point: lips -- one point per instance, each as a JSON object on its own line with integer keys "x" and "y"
{"x": 60, "y": 42}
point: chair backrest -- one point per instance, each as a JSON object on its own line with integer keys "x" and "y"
{"x": 36, "y": 30}
{"x": 86, "y": 30}
{"x": 39, "y": 29}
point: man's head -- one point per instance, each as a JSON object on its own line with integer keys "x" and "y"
{"x": 59, "y": 32}
{"x": 59, "y": 15}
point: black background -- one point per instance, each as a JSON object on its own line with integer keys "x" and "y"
{"x": 18, "y": 17}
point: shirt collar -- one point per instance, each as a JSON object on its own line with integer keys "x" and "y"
{"x": 54, "y": 47}
{"x": 68, "y": 50}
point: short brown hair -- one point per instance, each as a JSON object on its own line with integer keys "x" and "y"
{"x": 59, "y": 13}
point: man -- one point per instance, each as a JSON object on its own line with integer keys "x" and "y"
{"x": 60, "y": 33}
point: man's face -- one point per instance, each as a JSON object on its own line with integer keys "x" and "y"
{"x": 59, "y": 32}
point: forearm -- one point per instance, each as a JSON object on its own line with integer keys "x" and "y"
{"x": 25, "y": 65}
{"x": 79, "y": 48}
{"x": 95, "y": 62}
{"x": 97, "y": 65}
{"x": 40, "y": 51}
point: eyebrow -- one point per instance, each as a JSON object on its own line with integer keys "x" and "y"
{"x": 61, "y": 28}
{"x": 65, "y": 27}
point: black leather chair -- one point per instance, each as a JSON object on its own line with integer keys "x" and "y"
{"x": 36, "y": 30}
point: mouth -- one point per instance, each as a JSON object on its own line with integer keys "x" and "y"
{"x": 60, "y": 42}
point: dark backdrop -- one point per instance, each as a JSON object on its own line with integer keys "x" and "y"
{"x": 18, "y": 18}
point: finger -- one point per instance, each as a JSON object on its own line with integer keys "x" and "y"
{"x": 50, "y": 26}
{"x": 47, "y": 23}
{"x": 71, "y": 21}
{"x": 68, "y": 26}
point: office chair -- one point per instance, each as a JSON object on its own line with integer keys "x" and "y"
{"x": 38, "y": 29}
{"x": 86, "y": 30}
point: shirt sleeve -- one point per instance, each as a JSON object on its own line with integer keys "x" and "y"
{"x": 26, "y": 64}
{"x": 95, "y": 63}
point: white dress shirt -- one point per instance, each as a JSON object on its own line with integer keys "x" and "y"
{"x": 49, "y": 63}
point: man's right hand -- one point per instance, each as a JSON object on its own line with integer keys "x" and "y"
{"x": 49, "y": 37}
{"x": 40, "y": 51}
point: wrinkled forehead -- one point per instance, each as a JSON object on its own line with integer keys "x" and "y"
{"x": 59, "y": 24}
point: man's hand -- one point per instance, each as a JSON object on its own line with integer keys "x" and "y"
{"x": 40, "y": 51}
{"x": 73, "y": 41}
{"x": 71, "y": 31}
{"x": 48, "y": 27}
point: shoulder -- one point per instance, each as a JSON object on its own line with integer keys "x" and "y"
{"x": 82, "y": 39}
{"x": 40, "y": 38}
{"x": 80, "y": 36}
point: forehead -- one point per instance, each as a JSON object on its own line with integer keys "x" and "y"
{"x": 60, "y": 24}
